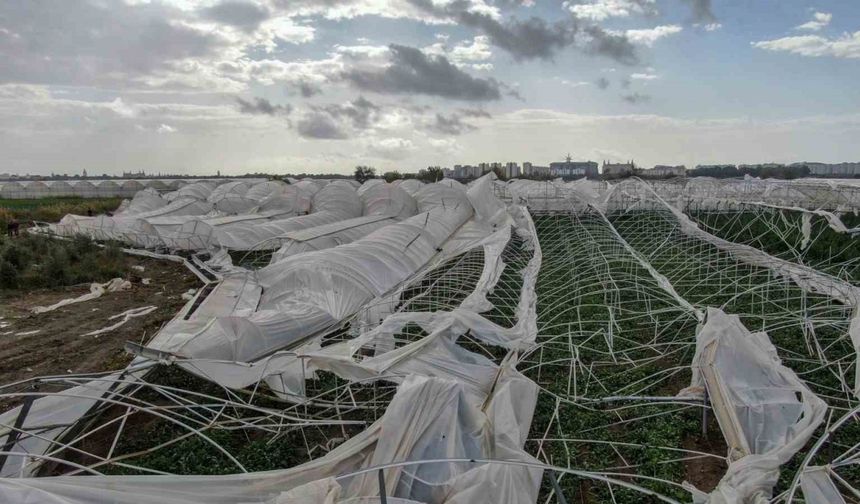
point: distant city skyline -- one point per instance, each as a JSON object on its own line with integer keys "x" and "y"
{"x": 196, "y": 86}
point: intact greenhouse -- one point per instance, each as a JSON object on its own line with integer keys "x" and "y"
{"x": 524, "y": 341}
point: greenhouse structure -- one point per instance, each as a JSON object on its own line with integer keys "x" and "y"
{"x": 98, "y": 188}
{"x": 693, "y": 340}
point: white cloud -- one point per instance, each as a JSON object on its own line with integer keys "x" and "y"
{"x": 390, "y": 148}
{"x": 574, "y": 84}
{"x": 819, "y": 21}
{"x": 846, "y": 46}
{"x": 644, "y": 76}
{"x": 600, "y": 10}
{"x": 648, "y": 36}
{"x": 478, "y": 50}
{"x": 473, "y": 55}
{"x": 121, "y": 108}
{"x": 165, "y": 128}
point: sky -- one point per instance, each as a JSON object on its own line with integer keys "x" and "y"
{"x": 320, "y": 86}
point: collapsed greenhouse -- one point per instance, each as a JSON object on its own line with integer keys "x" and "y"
{"x": 523, "y": 341}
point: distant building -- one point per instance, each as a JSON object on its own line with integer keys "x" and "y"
{"x": 527, "y": 168}
{"x": 664, "y": 171}
{"x": 618, "y": 170}
{"x": 511, "y": 170}
{"x": 573, "y": 169}
{"x": 832, "y": 169}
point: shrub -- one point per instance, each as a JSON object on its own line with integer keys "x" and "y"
{"x": 8, "y": 275}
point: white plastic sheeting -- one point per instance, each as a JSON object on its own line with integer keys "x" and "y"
{"x": 428, "y": 418}
{"x": 766, "y": 413}
{"x": 97, "y": 290}
{"x": 200, "y": 234}
{"x": 329, "y": 235}
{"x": 331, "y": 204}
{"x": 140, "y": 229}
{"x": 305, "y": 293}
{"x": 818, "y": 487}
{"x": 386, "y": 199}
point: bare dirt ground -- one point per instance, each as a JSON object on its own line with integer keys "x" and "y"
{"x": 704, "y": 473}
{"x": 59, "y": 347}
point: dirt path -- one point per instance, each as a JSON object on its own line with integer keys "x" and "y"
{"x": 57, "y": 345}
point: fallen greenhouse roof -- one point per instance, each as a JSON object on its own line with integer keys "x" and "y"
{"x": 497, "y": 342}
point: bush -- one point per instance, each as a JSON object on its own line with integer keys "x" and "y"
{"x": 33, "y": 261}
{"x": 8, "y": 275}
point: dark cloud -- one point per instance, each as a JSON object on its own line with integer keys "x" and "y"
{"x": 612, "y": 45}
{"x": 262, "y": 106}
{"x": 625, "y": 83}
{"x": 602, "y": 83}
{"x": 362, "y": 113}
{"x": 534, "y": 38}
{"x": 529, "y": 39}
{"x": 244, "y": 15}
{"x": 413, "y": 72}
{"x": 701, "y": 11}
{"x": 307, "y": 90}
{"x": 450, "y": 125}
{"x": 77, "y": 42}
{"x": 319, "y": 125}
{"x": 636, "y": 98}
{"x": 479, "y": 113}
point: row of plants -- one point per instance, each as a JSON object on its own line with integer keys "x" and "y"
{"x": 53, "y": 209}
{"x": 31, "y": 261}
{"x": 606, "y": 329}
{"x": 809, "y": 331}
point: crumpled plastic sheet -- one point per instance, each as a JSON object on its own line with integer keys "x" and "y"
{"x": 766, "y": 413}
{"x": 478, "y": 409}
{"x": 804, "y": 277}
{"x": 97, "y": 290}
{"x": 818, "y": 487}
{"x": 428, "y": 418}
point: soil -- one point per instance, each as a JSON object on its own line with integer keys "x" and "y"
{"x": 704, "y": 473}
{"x": 58, "y": 346}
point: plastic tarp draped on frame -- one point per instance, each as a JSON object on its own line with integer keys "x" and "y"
{"x": 331, "y": 204}
{"x": 307, "y": 292}
{"x": 766, "y": 413}
{"x": 427, "y": 418}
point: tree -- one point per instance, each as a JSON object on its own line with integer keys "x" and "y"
{"x": 431, "y": 174}
{"x": 364, "y": 173}
{"x": 391, "y": 176}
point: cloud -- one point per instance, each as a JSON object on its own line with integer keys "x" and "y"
{"x": 644, "y": 76}
{"x": 319, "y": 125}
{"x": 819, "y": 21}
{"x": 165, "y": 128}
{"x": 390, "y": 148}
{"x": 636, "y": 98}
{"x": 478, "y": 113}
{"x": 262, "y": 106}
{"x": 240, "y": 14}
{"x": 90, "y": 43}
{"x": 360, "y": 112}
{"x": 472, "y": 55}
{"x": 613, "y": 45}
{"x": 533, "y": 38}
{"x": 600, "y": 10}
{"x": 701, "y": 12}
{"x": 450, "y": 125}
{"x": 602, "y": 83}
{"x": 846, "y": 46}
{"x": 648, "y": 36}
{"x": 410, "y": 71}
{"x": 307, "y": 89}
